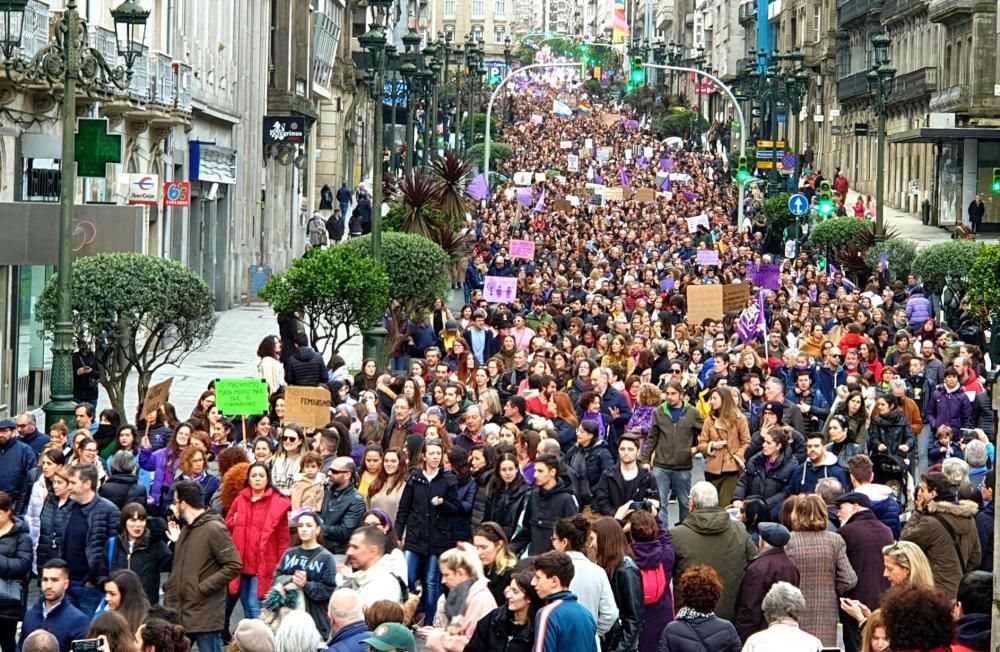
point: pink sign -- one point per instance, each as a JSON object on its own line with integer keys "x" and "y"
{"x": 707, "y": 257}
{"x": 536, "y": 119}
{"x": 522, "y": 249}
{"x": 500, "y": 289}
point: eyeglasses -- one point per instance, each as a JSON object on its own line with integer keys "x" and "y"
{"x": 289, "y": 439}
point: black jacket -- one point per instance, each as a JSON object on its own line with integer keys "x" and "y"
{"x": 427, "y": 528}
{"x": 51, "y": 529}
{"x": 305, "y": 368}
{"x": 16, "y": 461}
{"x": 149, "y": 557}
{"x": 589, "y": 463}
{"x": 541, "y": 511}
{"x": 505, "y": 507}
{"x": 892, "y": 429}
{"x": 711, "y": 634}
{"x": 496, "y": 632}
{"x": 102, "y": 523}
{"x": 773, "y": 486}
{"x": 122, "y": 489}
{"x": 626, "y": 586}
{"x": 610, "y": 493}
{"x": 16, "y": 555}
{"x": 342, "y": 512}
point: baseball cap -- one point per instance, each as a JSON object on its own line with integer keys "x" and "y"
{"x": 8, "y": 424}
{"x": 391, "y": 636}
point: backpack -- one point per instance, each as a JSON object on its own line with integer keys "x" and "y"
{"x": 317, "y": 232}
{"x": 654, "y": 584}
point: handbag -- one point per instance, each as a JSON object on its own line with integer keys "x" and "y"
{"x": 11, "y": 594}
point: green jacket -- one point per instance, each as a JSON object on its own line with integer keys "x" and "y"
{"x": 670, "y": 444}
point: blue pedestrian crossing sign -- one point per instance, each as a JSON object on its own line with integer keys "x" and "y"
{"x": 798, "y": 205}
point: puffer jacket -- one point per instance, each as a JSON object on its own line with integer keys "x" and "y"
{"x": 541, "y": 511}
{"x": 343, "y": 510}
{"x": 807, "y": 475}
{"x": 892, "y": 429}
{"x": 305, "y": 368}
{"x": 51, "y": 529}
{"x": 148, "y": 558}
{"x": 122, "y": 489}
{"x": 260, "y": 533}
{"x": 951, "y": 408}
{"x": 925, "y": 530}
{"x": 428, "y": 528}
{"x": 626, "y": 585}
{"x": 669, "y": 444}
{"x": 918, "y": 310}
{"x": 505, "y": 507}
{"x": 774, "y": 485}
{"x": 701, "y": 634}
{"x": 497, "y": 631}
{"x": 589, "y": 463}
{"x": 103, "y": 520}
{"x": 15, "y": 563}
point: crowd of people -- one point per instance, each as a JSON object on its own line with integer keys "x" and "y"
{"x": 579, "y": 468}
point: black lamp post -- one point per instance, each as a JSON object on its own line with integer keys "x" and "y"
{"x": 880, "y": 83}
{"x": 429, "y": 79}
{"x": 409, "y": 70}
{"x": 68, "y": 60}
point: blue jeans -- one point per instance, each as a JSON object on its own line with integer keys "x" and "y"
{"x": 344, "y": 205}
{"x": 425, "y": 567}
{"x": 680, "y": 483}
{"x": 248, "y": 596}
{"x": 207, "y": 641}
{"x": 85, "y": 598}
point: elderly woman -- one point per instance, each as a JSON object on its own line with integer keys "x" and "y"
{"x": 782, "y": 607}
{"x": 697, "y": 628}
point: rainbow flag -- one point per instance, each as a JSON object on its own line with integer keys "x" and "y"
{"x": 619, "y": 22}
{"x": 583, "y": 108}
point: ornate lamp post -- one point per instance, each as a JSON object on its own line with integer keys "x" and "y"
{"x": 508, "y": 58}
{"x": 473, "y": 65}
{"x": 71, "y": 61}
{"x": 880, "y": 83}
{"x": 429, "y": 80}
{"x": 409, "y": 70}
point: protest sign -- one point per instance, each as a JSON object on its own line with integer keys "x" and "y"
{"x": 704, "y": 302}
{"x": 307, "y": 406}
{"x": 573, "y": 163}
{"x": 241, "y": 396}
{"x": 696, "y": 221}
{"x": 156, "y": 396}
{"x": 565, "y": 144}
{"x": 603, "y": 153}
{"x": 540, "y": 177}
{"x": 734, "y": 296}
{"x": 573, "y": 200}
{"x": 707, "y": 257}
{"x": 522, "y": 249}
{"x": 522, "y": 178}
{"x": 614, "y": 193}
{"x": 562, "y": 205}
{"x": 536, "y": 119}
{"x": 588, "y": 143}
{"x": 645, "y": 195}
{"x": 499, "y": 289}
{"x": 767, "y": 276}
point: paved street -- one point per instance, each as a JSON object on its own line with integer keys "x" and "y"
{"x": 912, "y": 228}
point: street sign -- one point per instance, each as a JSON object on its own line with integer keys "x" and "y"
{"x": 767, "y": 144}
{"x": 788, "y": 161}
{"x": 860, "y": 128}
{"x": 798, "y": 205}
{"x": 836, "y": 130}
{"x": 95, "y": 147}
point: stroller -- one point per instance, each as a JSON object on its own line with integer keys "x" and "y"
{"x": 894, "y": 472}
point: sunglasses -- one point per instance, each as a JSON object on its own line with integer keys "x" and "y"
{"x": 289, "y": 439}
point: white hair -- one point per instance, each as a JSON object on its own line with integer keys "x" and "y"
{"x": 346, "y": 606}
{"x": 956, "y": 470}
{"x": 297, "y": 633}
{"x": 783, "y": 601}
{"x": 704, "y": 495}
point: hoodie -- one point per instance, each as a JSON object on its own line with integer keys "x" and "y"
{"x": 807, "y": 475}
{"x": 972, "y": 633}
{"x": 885, "y": 505}
{"x": 541, "y": 511}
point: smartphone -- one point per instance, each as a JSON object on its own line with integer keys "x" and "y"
{"x": 968, "y": 434}
{"x": 86, "y": 645}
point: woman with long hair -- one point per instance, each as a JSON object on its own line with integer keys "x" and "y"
{"x": 49, "y": 460}
{"x": 124, "y": 594}
{"x": 139, "y": 547}
{"x": 466, "y": 370}
{"x": 723, "y": 441}
{"x": 89, "y": 453}
{"x": 468, "y": 600}
{"x": 580, "y": 384}
{"x": 498, "y": 561}
{"x": 205, "y": 403}
{"x": 269, "y": 366}
{"x": 590, "y": 582}
{"x": 509, "y": 627}
{"x": 608, "y": 548}
{"x": 115, "y": 629}
{"x": 824, "y": 569}
{"x": 489, "y": 401}
{"x": 157, "y": 635}
{"x": 310, "y": 569}
{"x": 371, "y": 468}
{"x": 15, "y": 568}
{"x": 875, "y": 638}
{"x": 53, "y": 518}
{"x": 386, "y": 490}
{"x": 276, "y": 413}
{"x": 258, "y": 521}
{"x": 589, "y": 457}
{"x": 904, "y": 563}
{"x": 768, "y": 474}
{"x": 508, "y": 491}
{"x": 618, "y": 353}
{"x": 564, "y": 419}
{"x": 365, "y": 380}
{"x": 377, "y": 518}
{"x": 648, "y": 399}
{"x": 851, "y": 406}
{"x": 424, "y": 522}
{"x": 129, "y": 439}
{"x": 287, "y": 463}
{"x": 840, "y": 444}
{"x": 163, "y": 463}
{"x": 653, "y": 553}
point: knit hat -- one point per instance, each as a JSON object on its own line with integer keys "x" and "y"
{"x": 774, "y": 406}
{"x": 775, "y": 534}
{"x": 253, "y": 635}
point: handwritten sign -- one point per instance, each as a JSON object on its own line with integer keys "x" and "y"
{"x": 735, "y": 296}
{"x": 614, "y": 193}
{"x": 565, "y": 144}
{"x": 696, "y": 221}
{"x": 536, "y": 119}
{"x": 704, "y": 302}
{"x": 522, "y": 249}
{"x": 588, "y": 143}
{"x": 307, "y": 406}
{"x": 500, "y": 289}
{"x": 522, "y": 178}
{"x": 573, "y": 163}
{"x": 241, "y": 396}
{"x": 603, "y": 153}
{"x": 156, "y": 396}
{"x": 645, "y": 195}
{"x": 707, "y": 257}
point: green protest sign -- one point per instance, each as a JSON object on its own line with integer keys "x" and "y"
{"x": 241, "y": 396}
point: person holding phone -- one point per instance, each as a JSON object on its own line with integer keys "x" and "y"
{"x": 54, "y": 612}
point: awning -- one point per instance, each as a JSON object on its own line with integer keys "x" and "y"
{"x": 938, "y": 134}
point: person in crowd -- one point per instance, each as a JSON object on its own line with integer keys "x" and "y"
{"x": 769, "y": 473}
{"x": 164, "y": 464}
{"x": 697, "y": 627}
{"x": 54, "y": 612}
{"x": 884, "y": 503}
{"x": 709, "y": 536}
{"x": 308, "y": 489}
{"x": 626, "y": 485}
{"x": 783, "y": 606}
{"x": 16, "y": 461}
{"x": 654, "y": 555}
{"x": 269, "y": 367}
{"x": 369, "y": 570}
{"x": 140, "y": 549}
{"x": 53, "y": 518}
{"x": 608, "y": 547}
{"x": 773, "y": 565}
{"x": 840, "y": 444}
{"x": 589, "y": 458}
{"x": 562, "y": 625}
{"x": 346, "y": 620}
{"x": 724, "y": 440}
{"x": 158, "y": 635}
{"x": 92, "y": 521}
{"x": 343, "y": 506}
{"x": 125, "y": 595}
{"x": 670, "y": 447}
{"x": 591, "y": 584}
{"x": 41, "y": 641}
{"x": 297, "y": 632}
{"x": 15, "y": 569}
{"x": 820, "y": 463}
{"x": 468, "y": 600}
{"x": 973, "y": 612}
{"x": 28, "y": 433}
{"x": 490, "y": 543}
{"x": 386, "y": 490}
{"x": 918, "y": 619}
{"x": 310, "y": 569}
{"x": 550, "y": 499}
{"x": 391, "y": 637}
{"x": 287, "y": 462}
{"x": 511, "y": 625}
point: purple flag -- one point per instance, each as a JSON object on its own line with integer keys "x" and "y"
{"x": 626, "y": 181}
{"x": 665, "y": 184}
{"x": 666, "y": 164}
{"x": 524, "y": 197}
{"x": 597, "y": 178}
{"x": 690, "y": 196}
{"x": 643, "y": 163}
{"x": 884, "y": 259}
{"x": 479, "y": 189}
{"x": 767, "y": 276}
{"x": 751, "y": 321}
{"x": 540, "y": 204}
{"x": 847, "y": 283}
{"x": 632, "y": 124}
{"x": 667, "y": 284}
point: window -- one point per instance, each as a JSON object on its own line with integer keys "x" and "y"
{"x": 329, "y": 22}
{"x": 500, "y": 8}
{"x": 498, "y": 34}
{"x": 477, "y": 33}
{"x": 449, "y": 33}
{"x": 478, "y": 9}
{"x": 817, "y": 23}
{"x": 449, "y": 8}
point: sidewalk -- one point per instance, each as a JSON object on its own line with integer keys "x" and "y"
{"x": 910, "y": 227}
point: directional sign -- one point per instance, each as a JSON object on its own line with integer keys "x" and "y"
{"x": 788, "y": 161}
{"x": 798, "y": 205}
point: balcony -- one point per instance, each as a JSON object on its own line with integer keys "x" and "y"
{"x": 918, "y": 85}
{"x": 849, "y": 11}
{"x": 748, "y": 13}
{"x": 185, "y": 74}
{"x": 957, "y": 99}
{"x": 894, "y": 11}
{"x": 105, "y": 42}
{"x": 853, "y": 87}
{"x": 948, "y": 11}
{"x": 163, "y": 80}
{"x": 139, "y": 88}
{"x": 36, "y": 28}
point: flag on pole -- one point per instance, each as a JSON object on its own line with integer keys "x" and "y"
{"x": 626, "y": 180}
{"x": 847, "y": 283}
{"x": 561, "y": 109}
{"x": 597, "y": 178}
{"x": 619, "y": 22}
{"x": 479, "y": 189}
{"x": 665, "y": 184}
{"x": 583, "y": 108}
{"x": 751, "y": 321}
{"x": 540, "y": 204}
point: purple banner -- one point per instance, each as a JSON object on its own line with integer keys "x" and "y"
{"x": 767, "y": 276}
{"x": 751, "y": 321}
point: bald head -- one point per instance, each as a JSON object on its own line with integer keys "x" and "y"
{"x": 345, "y": 608}
{"x": 40, "y": 641}
{"x": 549, "y": 446}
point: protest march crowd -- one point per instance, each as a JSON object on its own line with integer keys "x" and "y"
{"x": 600, "y": 450}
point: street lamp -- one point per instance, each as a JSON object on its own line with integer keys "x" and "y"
{"x": 409, "y": 69}
{"x": 429, "y": 80}
{"x": 68, "y": 60}
{"x": 880, "y": 83}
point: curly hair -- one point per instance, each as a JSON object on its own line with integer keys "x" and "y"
{"x": 918, "y": 617}
{"x": 163, "y": 636}
{"x": 700, "y": 588}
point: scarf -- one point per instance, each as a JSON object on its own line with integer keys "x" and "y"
{"x": 454, "y": 603}
{"x": 687, "y": 613}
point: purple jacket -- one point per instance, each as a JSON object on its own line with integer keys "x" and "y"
{"x": 918, "y": 311}
{"x": 949, "y": 408}
{"x": 647, "y": 555}
{"x": 163, "y": 477}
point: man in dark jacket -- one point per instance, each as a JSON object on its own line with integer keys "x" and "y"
{"x": 626, "y": 482}
{"x": 550, "y": 500}
{"x": 53, "y": 612}
{"x": 343, "y": 507}
{"x": 614, "y": 406}
{"x": 709, "y": 536}
{"x": 773, "y": 565}
{"x": 670, "y": 447}
{"x": 865, "y": 537}
{"x": 884, "y": 503}
{"x": 344, "y": 198}
{"x": 820, "y": 463}
{"x": 306, "y": 366}
{"x": 205, "y": 561}
{"x": 17, "y": 459}
{"x": 984, "y": 520}
{"x": 27, "y": 431}
{"x": 92, "y": 521}
{"x": 973, "y": 609}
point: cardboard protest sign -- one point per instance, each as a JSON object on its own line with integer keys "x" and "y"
{"x": 307, "y": 406}
{"x": 704, "y": 302}
{"x": 735, "y": 296}
{"x": 156, "y": 396}
{"x": 610, "y": 119}
{"x": 562, "y": 206}
{"x": 614, "y": 193}
{"x": 241, "y": 396}
{"x": 500, "y": 289}
{"x": 522, "y": 249}
{"x": 645, "y": 195}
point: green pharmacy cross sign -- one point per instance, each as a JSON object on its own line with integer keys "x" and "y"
{"x": 95, "y": 147}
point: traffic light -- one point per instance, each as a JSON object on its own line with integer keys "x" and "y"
{"x": 996, "y": 180}
{"x": 743, "y": 175}
{"x": 825, "y": 201}
{"x": 638, "y": 75}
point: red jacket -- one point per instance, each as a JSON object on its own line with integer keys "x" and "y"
{"x": 260, "y": 532}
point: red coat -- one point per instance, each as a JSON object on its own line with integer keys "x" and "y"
{"x": 260, "y": 532}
